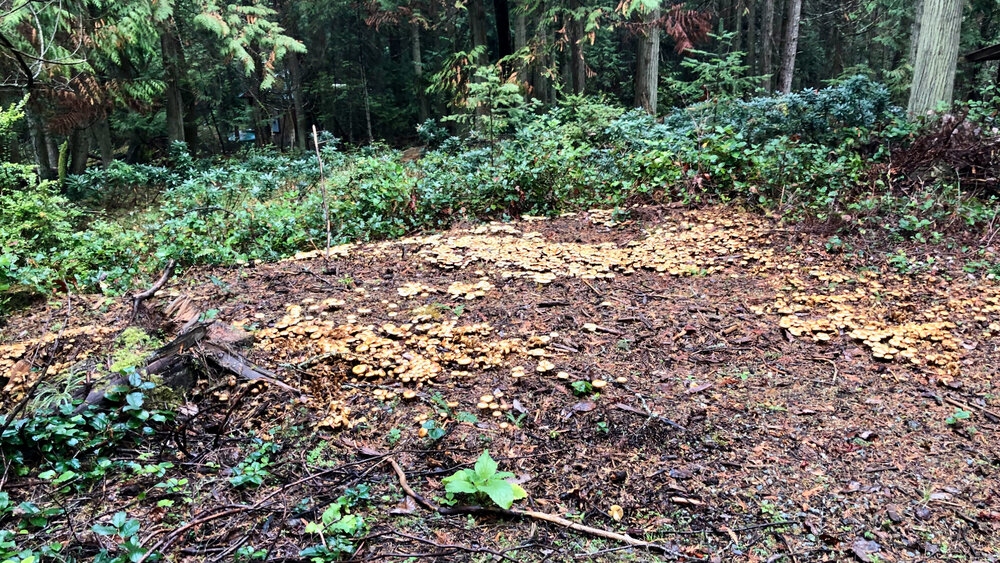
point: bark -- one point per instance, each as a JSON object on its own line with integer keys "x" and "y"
{"x": 539, "y": 76}
{"x": 102, "y": 136}
{"x": 79, "y": 150}
{"x": 40, "y": 146}
{"x": 936, "y": 55}
{"x": 791, "y": 45}
{"x": 752, "y": 36}
{"x": 918, "y": 12}
{"x": 172, "y": 77}
{"x": 501, "y": 11}
{"x": 738, "y": 24}
{"x": 423, "y": 107}
{"x": 298, "y": 107}
{"x": 477, "y": 27}
{"x": 647, "y": 70}
{"x": 766, "y": 43}
{"x": 520, "y": 41}
{"x": 577, "y": 66}
{"x": 191, "y": 124}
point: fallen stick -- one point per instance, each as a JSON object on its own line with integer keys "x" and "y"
{"x": 517, "y": 513}
{"x": 140, "y": 297}
{"x": 662, "y": 419}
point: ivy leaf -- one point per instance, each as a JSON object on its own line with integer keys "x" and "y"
{"x": 105, "y": 530}
{"x": 130, "y": 528}
{"x": 134, "y": 400}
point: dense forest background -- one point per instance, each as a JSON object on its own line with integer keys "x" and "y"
{"x": 143, "y": 132}
{"x": 120, "y": 80}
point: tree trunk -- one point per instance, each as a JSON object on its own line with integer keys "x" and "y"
{"x": 751, "y": 36}
{"x": 423, "y": 108}
{"x": 501, "y": 10}
{"x": 577, "y": 66}
{"x": 295, "y": 71}
{"x": 918, "y": 12}
{"x": 40, "y": 147}
{"x": 477, "y": 27}
{"x": 172, "y": 77}
{"x": 936, "y": 55}
{"x": 766, "y": 43}
{"x": 738, "y": 25}
{"x": 191, "y": 124}
{"x": 102, "y": 135}
{"x": 647, "y": 69}
{"x": 520, "y": 41}
{"x": 79, "y": 150}
{"x": 791, "y": 45}
{"x": 539, "y": 74}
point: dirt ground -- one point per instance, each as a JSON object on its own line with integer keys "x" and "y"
{"x": 741, "y": 389}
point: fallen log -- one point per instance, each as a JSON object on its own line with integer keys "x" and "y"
{"x": 176, "y": 364}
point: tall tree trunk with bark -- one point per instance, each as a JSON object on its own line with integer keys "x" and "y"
{"x": 477, "y": 28}
{"x": 501, "y": 11}
{"x": 539, "y": 76}
{"x": 102, "y": 136}
{"x": 40, "y": 145}
{"x": 298, "y": 106}
{"x": 766, "y": 43}
{"x": 420, "y": 89}
{"x": 172, "y": 77}
{"x": 936, "y": 55}
{"x": 791, "y": 45}
{"x": 520, "y": 41}
{"x": 647, "y": 68}
{"x": 738, "y": 25}
{"x": 191, "y": 124}
{"x": 918, "y": 12}
{"x": 79, "y": 151}
{"x": 752, "y": 36}
{"x": 577, "y": 66}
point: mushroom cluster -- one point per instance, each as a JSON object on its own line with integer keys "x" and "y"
{"x": 76, "y": 344}
{"x": 705, "y": 245}
{"x": 414, "y": 353}
{"x": 470, "y": 291}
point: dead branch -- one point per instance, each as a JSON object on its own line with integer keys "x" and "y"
{"x": 636, "y": 411}
{"x": 140, "y": 297}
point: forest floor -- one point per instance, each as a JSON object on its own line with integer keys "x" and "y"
{"x": 738, "y": 389}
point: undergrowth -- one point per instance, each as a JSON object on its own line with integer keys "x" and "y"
{"x": 825, "y": 154}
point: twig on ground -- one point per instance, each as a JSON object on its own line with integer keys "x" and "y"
{"x": 517, "y": 513}
{"x": 157, "y": 286}
{"x": 633, "y": 410}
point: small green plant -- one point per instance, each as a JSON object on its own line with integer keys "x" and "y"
{"x": 582, "y": 388}
{"x": 253, "y": 470}
{"x": 957, "y": 417}
{"x": 434, "y": 430}
{"x": 466, "y": 416}
{"x": 518, "y": 420}
{"x": 336, "y": 528}
{"x": 603, "y": 427}
{"x": 249, "y": 553}
{"x": 484, "y": 481}
{"x": 392, "y": 437}
{"x": 900, "y": 262}
{"x": 127, "y": 529}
